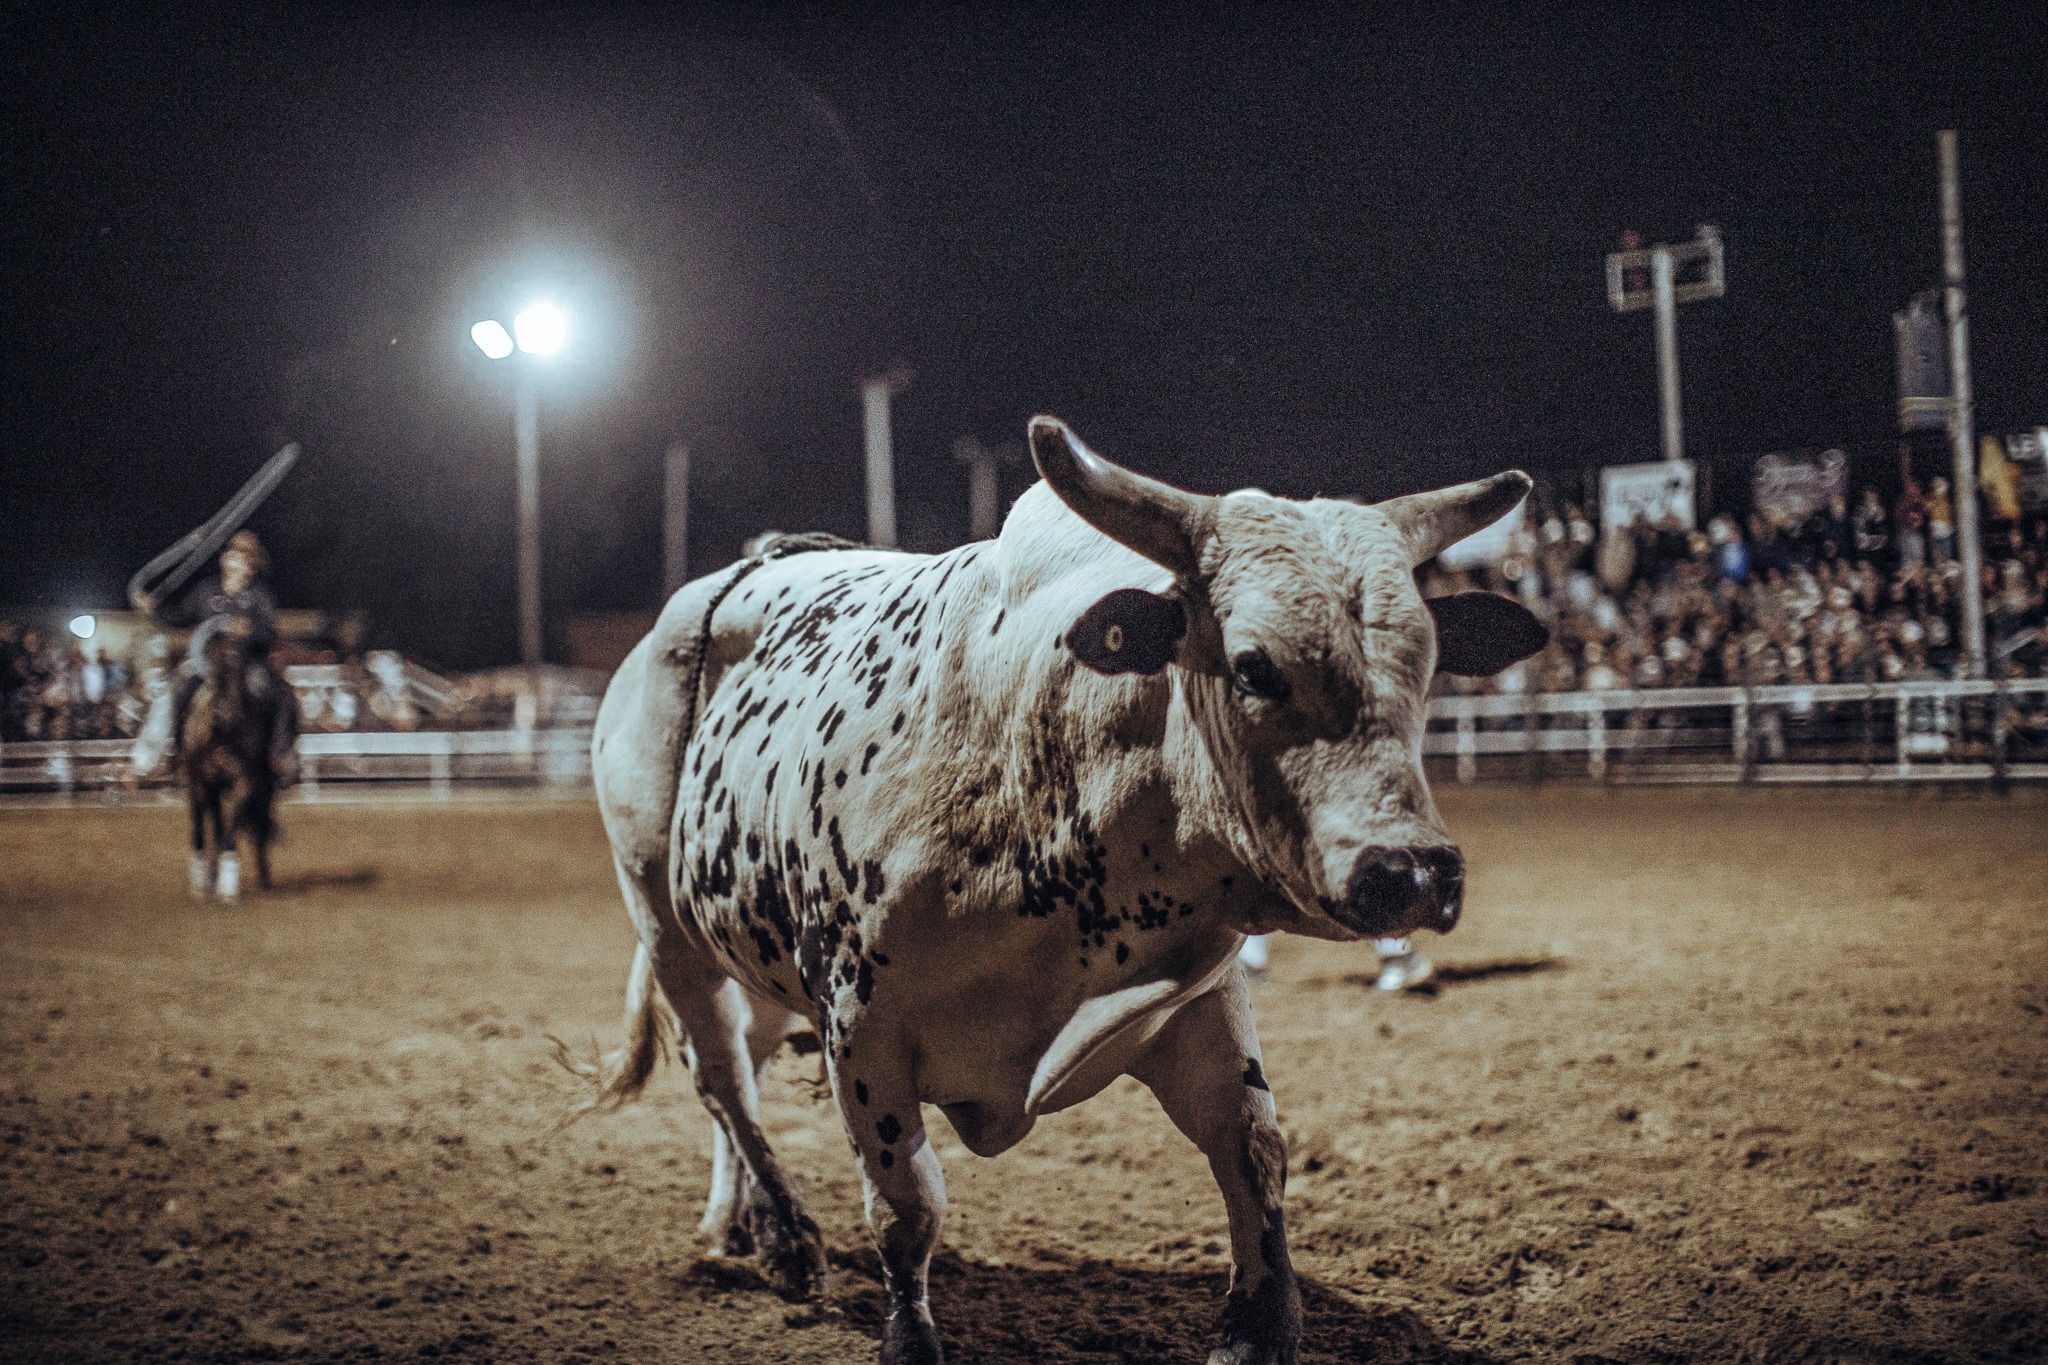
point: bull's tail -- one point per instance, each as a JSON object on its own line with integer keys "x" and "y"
{"x": 615, "y": 1078}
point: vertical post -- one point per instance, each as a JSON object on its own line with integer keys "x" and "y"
{"x": 1532, "y": 754}
{"x": 1671, "y": 422}
{"x": 675, "y": 519}
{"x": 1962, "y": 417}
{"x": 875, "y": 396}
{"x": 526, "y": 432}
{"x": 984, "y": 497}
{"x": 2000, "y": 729}
{"x": 1744, "y": 768}
{"x": 983, "y": 510}
{"x": 1468, "y": 749}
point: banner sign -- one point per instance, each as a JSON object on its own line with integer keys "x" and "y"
{"x": 2029, "y": 452}
{"x": 1647, "y": 492}
{"x": 1796, "y": 484}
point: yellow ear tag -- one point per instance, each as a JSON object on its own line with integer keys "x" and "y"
{"x": 1113, "y": 639}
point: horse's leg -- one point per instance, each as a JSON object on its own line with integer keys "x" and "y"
{"x": 252, "y": 818}
{"x": 261, "y": 836}
{"x": 227, "y": 879}
{"x": 202, "y": 872}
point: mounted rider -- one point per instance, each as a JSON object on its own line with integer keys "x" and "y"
{"x": 239, "y": 603}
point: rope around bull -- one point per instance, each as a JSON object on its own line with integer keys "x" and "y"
{"x": 782, "y": 547}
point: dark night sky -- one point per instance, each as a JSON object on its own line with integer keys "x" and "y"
{"x": 1313, "y": 248}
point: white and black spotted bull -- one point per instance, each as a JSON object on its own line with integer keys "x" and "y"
{"x": 995, "y": 822}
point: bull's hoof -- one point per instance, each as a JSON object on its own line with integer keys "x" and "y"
{"x": 1251, "y": 1353}
{"x": 909, "y": 1338}
{"x": 738, "y": 1240}
{"x": 790, "y": 1248}
{"x": 1262, "y": 1327}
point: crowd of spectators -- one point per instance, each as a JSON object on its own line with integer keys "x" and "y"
{"x": 54, "y": 686}
{"x": 1872, "y": 594}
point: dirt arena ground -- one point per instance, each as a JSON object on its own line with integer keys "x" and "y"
{"x": 1710, "y": 1077}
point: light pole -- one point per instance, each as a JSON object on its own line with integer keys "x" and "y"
{"x": 984, "y": 501}
{"x": 675, "y": 519}
{"x": 1962, "y": 412}
{"x": 538, "y": 331}
{"x": 876, "y": 394}
{"x": 1625, "y": 294}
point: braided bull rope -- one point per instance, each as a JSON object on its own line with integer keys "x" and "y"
{"x": 782, "y": 547}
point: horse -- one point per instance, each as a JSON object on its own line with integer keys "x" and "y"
{"x": 224, "y": 760}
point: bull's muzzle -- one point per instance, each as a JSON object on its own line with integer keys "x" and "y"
{"x": 1399, "y": 890}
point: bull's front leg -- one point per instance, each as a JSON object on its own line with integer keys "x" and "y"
{"x": 1204, "y": 1067}
{"x": 903, "y": 1187}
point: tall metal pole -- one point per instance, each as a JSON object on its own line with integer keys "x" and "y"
{"x": 1626, "y": 294}
{"x": 984, "y": 513}
{"x": 526, "y": 431}
{"x": 1962, "y": 416}
{"x": 1671, "y": 421}
{"x": 675, "y": 519}
{"x": 881, "y": 460}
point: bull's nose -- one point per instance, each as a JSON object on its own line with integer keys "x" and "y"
{"x": 1396, "y": 890}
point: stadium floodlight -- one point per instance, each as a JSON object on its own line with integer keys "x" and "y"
{"x": 542, "y": 329}
{"x": 491, "y": 338}
{"x": 84, "y": 625}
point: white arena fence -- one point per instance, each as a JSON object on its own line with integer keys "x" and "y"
{"x": 1934, "y": 731}
{"x": 1937, "y": 731}
{"x": 438, "y": 763}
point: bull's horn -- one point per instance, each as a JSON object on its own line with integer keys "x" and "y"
{"x": 1432, "y": 522}
{"x": 1157, "y": 520}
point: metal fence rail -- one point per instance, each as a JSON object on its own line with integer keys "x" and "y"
{"x": 1947, "y": 731}
{"x": 1993, "y": 732}
{"x": 436, "y": 762}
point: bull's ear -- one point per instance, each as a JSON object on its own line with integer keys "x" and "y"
{"x": 1129, "y": 631}
{"x": 1480, "y": 633}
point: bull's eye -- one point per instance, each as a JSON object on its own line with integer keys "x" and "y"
{"x": 1256, "y": 676}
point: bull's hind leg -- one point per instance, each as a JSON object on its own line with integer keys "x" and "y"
{"x": 1204, "y": 1068}
{"x": 716, "y": 1020}
{"x": 725, "y": 1210}
{"x": 750, "y": 1036}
